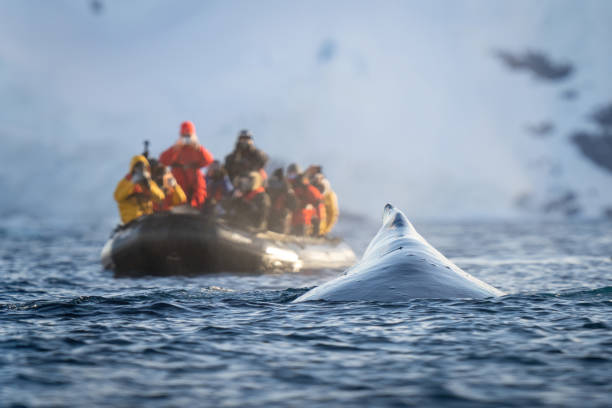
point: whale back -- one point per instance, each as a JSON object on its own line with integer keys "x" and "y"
{"x": 396, "y": 231}
{"x": 398, "y": 265}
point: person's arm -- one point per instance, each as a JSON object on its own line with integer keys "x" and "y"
{"x": 292, "y": 201}
{"x": 314, "y": 195}
{"x": 205, "y": 157}
{"x": 229, "y": 159}
{"x": 169, "y": 156}
{"x": 229, "y": 166}
{"x": 267, "y": 204}
{"x": 262, "y": 158}
{"x": 260, "y": 208}
{"x": 178, "y": 196}
{"x": 334, "y": 212}
{"x": 227, "y": 185}
{"x": 156, "y": 192}
{"x": 124, "y": 189}
{"x": 322, "y": 215}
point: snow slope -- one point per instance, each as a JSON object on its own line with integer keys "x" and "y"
{"x": 399, "y": 101}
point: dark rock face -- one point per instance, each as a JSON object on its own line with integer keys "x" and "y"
{"x": 566, "y": 203}
{"x": 524, "y": 201}
{"x": 538, "y": 63}
{"x": 550, "y": 165}
{"x": 569, "y": 94}
{"x": 596, "y": 147}
{"x": 97, "y": 7}
{"x": 541, "y": 130}
{"x": 603, "y": 117}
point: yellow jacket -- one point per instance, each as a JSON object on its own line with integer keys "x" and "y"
{"x": 178, "y": 195}
{"x": 174, "y": 196}
{"x": 135, "y": 200}
{"x": 330, "y": 201}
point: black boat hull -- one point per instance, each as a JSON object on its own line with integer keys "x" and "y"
{"x": 188, "y": 243}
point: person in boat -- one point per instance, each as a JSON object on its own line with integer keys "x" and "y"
{"x": 293, "y": 171}
{"x": 219, "y": 187}
{"x": 283, "y": 202}
{"x": 172, "y": 190}
{"x": 137, "y": 192}
{"x": 245, "y": 158}
{"x": 312, "y": 170}
{"x": 250, "y": 204}
{"x": 186, "y": 157}
{"x": 310, "y": 211}
{"x": 330, "y": 202}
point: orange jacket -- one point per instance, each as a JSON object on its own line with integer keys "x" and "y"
{"x": 186, "y": 162}
{"x": 253, "y": 193}
{"x": 308, "y": 194}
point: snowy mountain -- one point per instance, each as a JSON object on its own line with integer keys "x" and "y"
{"x": 400, "y": 102}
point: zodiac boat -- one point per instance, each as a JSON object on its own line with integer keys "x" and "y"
{"x": 184, "y": 241}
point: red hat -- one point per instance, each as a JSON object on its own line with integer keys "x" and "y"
{"x": 187, "y": 128}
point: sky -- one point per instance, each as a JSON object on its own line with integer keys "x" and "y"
{"x": 399, "y": 101}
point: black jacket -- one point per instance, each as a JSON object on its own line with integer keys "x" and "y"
{"x": 242, "y": 162}
{"x": 250, "y": 214}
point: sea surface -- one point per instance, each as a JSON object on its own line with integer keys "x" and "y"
{"x": 73, "y": 335}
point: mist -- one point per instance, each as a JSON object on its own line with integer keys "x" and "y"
{"x": 400, "y": 102}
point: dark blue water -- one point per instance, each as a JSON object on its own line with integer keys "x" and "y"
{"x": 72, "y": 335}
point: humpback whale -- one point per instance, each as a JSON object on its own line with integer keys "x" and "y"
{"x": 399, "y": 265}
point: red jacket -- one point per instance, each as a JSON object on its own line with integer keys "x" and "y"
{"x": 186, "y": 162}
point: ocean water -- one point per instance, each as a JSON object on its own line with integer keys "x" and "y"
{"x": 73, "y": 335}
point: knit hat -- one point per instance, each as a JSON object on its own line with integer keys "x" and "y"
{"x": 187, "y": 128}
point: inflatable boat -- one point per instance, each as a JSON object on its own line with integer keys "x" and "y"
{"x": 186, "y": 242}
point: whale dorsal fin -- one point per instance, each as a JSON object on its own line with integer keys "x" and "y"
{"x": 394, "y": 218}
{"x": 395, "y": 225}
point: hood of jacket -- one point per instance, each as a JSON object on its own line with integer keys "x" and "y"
{"x": 138, "y": 159}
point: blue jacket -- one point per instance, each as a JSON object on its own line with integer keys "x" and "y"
{"x": 219, "y": 189}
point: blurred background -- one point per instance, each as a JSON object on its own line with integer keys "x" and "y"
{"x": 471, "y": 109}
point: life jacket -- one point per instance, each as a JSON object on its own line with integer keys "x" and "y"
{"x": 310, "y": 204}
{"x": 307, "y": 194}
{"x": 253, "y": 193}
{"x": 303, "y": 216}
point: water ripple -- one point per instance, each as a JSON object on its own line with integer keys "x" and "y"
{"x": 70, "y": 334}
